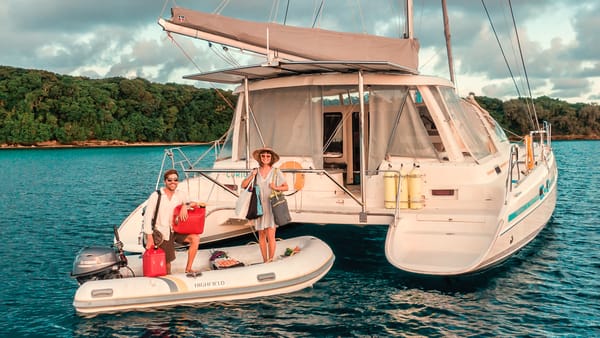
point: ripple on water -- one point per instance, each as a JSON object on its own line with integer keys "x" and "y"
{"x": 66, "y": 199}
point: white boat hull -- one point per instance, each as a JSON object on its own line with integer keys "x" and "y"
{"x": 448, "y": 242}
{"x": 255, "y": 279}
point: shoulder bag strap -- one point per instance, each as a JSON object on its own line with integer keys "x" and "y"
{"x": 274, "y": 180}
{"x": 254, "y": 181}
{"x": 274, "y": 176}
{"x": 156, "y": 210}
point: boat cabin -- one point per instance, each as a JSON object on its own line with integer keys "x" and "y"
{"x": 307, "y": 112}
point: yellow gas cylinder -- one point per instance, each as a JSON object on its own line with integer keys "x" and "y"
{"x": 529, "y": 148}
{"x": 403, "y": 188}
{"x": 415, "y": 188}
{"x": 390, "y": 185}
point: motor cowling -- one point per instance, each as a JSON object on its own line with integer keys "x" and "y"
{"x": 95, "y": 263}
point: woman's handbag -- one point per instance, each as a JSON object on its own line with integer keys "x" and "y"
{"x": 243, "y": 202}
{"x": 255, "y": 207}
{"x": 279, "y": 206}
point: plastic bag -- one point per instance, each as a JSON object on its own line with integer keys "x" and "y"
{"x": 243, "y": 202}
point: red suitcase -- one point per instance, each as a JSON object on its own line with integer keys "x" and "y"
{"x": 154, "y": 262}
{"x": 195, "y": 222}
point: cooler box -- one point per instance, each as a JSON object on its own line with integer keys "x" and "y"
{"x": 195, "y": 222}
{"x": 154, "y": 262}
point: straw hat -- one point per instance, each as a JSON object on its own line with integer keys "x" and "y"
{"x": 257, "y": 152}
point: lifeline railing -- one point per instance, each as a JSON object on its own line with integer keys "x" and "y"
{"x": 530, "y": 155}
{"x": 176, "y": 158}
{"x": 179, "y": 159}
{"x": 206, "y": 174}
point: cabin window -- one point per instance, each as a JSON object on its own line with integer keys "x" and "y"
{"x": 497, "y": 130}
{"x": 332, "y": 134}
{"x": 492, "y": 125}
{"x": 468, "y": 124}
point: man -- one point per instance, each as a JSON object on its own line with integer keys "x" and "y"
{"x": 170, "y": 198}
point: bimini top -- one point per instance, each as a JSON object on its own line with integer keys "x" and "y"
{"x": 290, "y": 68}
{"x": 292, "y": 50}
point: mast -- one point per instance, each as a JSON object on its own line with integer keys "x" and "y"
{"x": 408, "y": 30}
{"x": 448, "y": 45}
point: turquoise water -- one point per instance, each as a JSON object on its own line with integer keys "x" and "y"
{"x": 56, "y": 201}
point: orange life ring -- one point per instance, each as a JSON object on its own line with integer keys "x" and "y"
{"x": 298, "y": 178}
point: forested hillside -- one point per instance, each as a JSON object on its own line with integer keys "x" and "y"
{"x": 38, "y": 106}
{"x": 568, "y": 120}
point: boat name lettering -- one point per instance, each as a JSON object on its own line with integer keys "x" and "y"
{"x": 236, "y": 174}
{"x": 209, "y": 283}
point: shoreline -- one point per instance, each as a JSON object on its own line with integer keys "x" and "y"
{"x": 96, "y": 144}
{"x": 117, "y": 143}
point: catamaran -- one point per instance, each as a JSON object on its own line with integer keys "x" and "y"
{"x": 364, "y": 139}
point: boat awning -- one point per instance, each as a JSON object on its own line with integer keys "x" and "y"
{"x": 291, "y": 43}
{"x": 290, "y": 68}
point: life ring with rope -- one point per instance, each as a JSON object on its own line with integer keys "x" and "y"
{"x": 298, "y": 178}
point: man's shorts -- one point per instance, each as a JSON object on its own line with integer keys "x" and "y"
{"x": 169, "y": 246}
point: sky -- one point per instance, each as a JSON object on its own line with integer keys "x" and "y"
{"x": 559, "y": 39}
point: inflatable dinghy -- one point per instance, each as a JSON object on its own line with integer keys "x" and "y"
{"x": 111, "y": 282}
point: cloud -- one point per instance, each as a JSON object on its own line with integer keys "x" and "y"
{"x": 121, "y": 38}
{"x": 592, "y": 70}
{"x": 570, "y": 87}
{"x": 585, "y": 23}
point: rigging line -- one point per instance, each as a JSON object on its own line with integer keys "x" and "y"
{"x": 520, "y": 74}
{"x": 223, "y": 55}
{"x": 163, "y": 9}
{"x": 227, "y": 53}
{"x": 217, "y": 53}
{"x": 520, "y": 137}
{"x": 536, "y": 125}
{"x": 287, "y": 8}
{"x": 501, "y": 49}
{"x": 519, "y": 70}
{"x": 274, "y": 10}
{"x": 512, "y": 40}
{"x": 255, "y": 123}
{"x": 436, "y": 53}
{"x": 199, "y": 69}
{"x": 221, "y": 7}
{"x": 362, "y": 17}
{"x": 318, "y": 14}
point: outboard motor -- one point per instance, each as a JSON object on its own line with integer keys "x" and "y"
{"x": 97, "y": 263}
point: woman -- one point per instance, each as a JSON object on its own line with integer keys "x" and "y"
{"x": 265, "y": 225}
